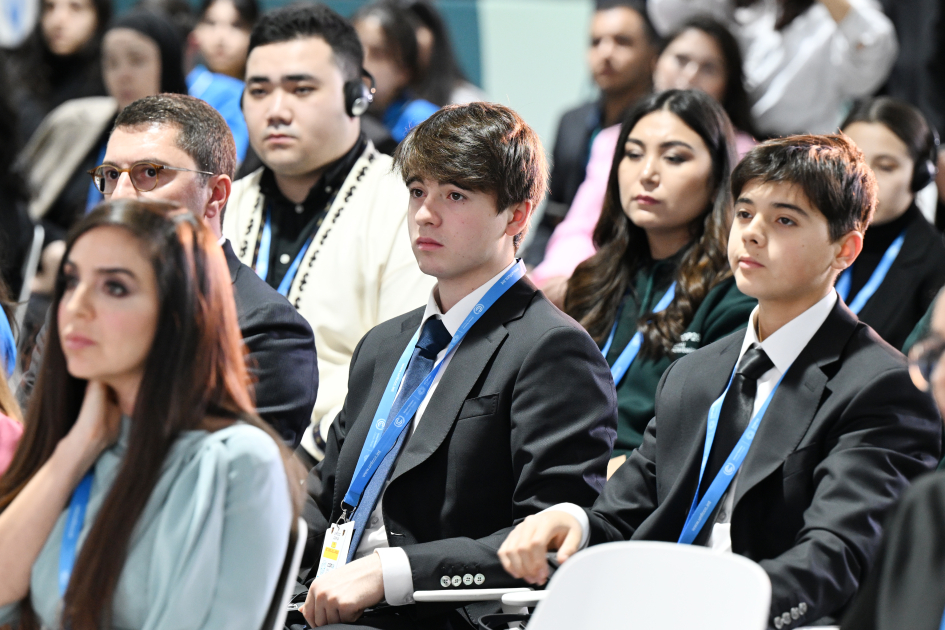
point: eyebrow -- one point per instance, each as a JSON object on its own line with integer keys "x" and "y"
{"x": 105, "y": 271}
{"x": 153, "y": 160}
{"x": 669, "y": 144}
{"x": 293, "y": 78}
{"x": 777, "y": 204}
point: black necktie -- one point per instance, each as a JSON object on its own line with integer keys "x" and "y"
{"x": 433, "y": 338}
{"x": 736, "y": 411}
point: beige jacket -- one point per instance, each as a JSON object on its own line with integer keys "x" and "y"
{"x": 358, "y": 271}
{"x": 59, "y": 145}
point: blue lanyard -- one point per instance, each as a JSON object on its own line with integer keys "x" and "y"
{"x": 698, "y": 514}
{"x": 879, "y": 274}
{"x": 379, "y": 441}
{"x": 95, "y": 195}
{"x": 623, "y": 362}
{"x": 75, "y": 518}
{"x": 262, "y": 260}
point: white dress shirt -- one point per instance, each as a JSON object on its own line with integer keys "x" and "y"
{"x": 782, "y": 347}
{"x": 800, "y": 79}
{"x": 398, "y": 578}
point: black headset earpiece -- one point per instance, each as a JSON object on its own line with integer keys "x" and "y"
{"x": 358, "y": 95}
{"x": 926, "y": 169}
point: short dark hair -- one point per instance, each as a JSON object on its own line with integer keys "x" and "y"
{"x": 202, "y": 132}
{"x": 400, "y": 32}
{"x": 483, "y": 147}
{"x": 248, "y": 10}
{"x": 906, "y": 122}
{"x": 830, "y": 170}
{"x": 640, "y": 7}
{"x": 298, "y": 21}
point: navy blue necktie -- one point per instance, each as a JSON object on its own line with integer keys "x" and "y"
{"x": 433, "y": 338}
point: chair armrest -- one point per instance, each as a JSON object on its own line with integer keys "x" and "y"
{"x": 466, "y": 594}
{"x": 523, "y": 599}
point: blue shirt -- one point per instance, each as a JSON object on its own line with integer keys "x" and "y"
{"x": 223, "y": 93}
{"x": 405, "y": 114}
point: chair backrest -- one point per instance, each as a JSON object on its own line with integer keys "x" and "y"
{"x": 654, "y": 585}
{"x": 28, "y": 271}
{"x": 275, "y": 617}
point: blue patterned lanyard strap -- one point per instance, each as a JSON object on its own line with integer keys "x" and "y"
{"x": 876, "y": 279}
{"x": 629, "y": 353}
{"x": 75, "y": 518}
{"x": 382, "y": 435}
{"x": 701, "y": 511}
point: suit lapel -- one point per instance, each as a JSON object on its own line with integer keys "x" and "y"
{"x": 796, "y": 402}
{"x": 465, "y": 368}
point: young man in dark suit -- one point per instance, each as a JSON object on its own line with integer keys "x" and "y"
{"x": 518, "y": 416}
{"x": 814, "y": 426}
{"x": 194, "y": 143}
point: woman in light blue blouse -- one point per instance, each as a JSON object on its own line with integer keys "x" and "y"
{"x": 145, "y": 493}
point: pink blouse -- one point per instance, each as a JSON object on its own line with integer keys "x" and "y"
{"x": 10, "y": 433}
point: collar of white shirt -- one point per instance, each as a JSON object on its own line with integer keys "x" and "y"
{"x": 784, "y": 346}
{"x": 454, "y": 318}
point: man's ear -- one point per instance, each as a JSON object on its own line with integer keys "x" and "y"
{"x": 220, "y": 187}
{"x": 521, "y": 212}
{"x": 849, "y": 247}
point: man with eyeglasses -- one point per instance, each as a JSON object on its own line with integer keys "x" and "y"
{"x": 176, "y": 148}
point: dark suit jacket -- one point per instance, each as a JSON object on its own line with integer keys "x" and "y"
{"x": 904, "y": 589}
{"x": 910, "y": 286}
{"x": 844, "y": 435}
{"x": 280, "y": 349}
{"x": 524, "y": 417}
{"x": 280, "y": 353}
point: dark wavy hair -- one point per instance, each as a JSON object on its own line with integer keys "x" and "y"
{"x": 599, "y": 284}
{"x": 735, "y": 101}
{"x": 195, "y": 367}
{"x": 436, "y": 82}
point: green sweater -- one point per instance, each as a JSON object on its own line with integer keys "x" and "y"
{"x": 723, "y": 311}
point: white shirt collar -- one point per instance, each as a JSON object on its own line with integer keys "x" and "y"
{"x": 454, "y": 318}
{"x": 784, "y": 346}
{"x": 221, "y": 241}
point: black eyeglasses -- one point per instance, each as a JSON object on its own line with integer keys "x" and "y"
{"x": 923, "y": 359}
{"x": 144, "y": 176}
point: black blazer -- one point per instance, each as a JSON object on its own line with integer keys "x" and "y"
{"x": 523, "y": 418}
{"x": 280, "y": 351}
{"x": 844, "y": 435}
{"x": 904, "y": 589}
{"x": 910, "y": 286}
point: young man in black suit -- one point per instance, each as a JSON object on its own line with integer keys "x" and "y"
{"x": 194, "y": 144}
{"x": 836, "y": 429}
{"x": 521, "y": 415}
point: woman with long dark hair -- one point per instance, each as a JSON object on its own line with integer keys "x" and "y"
{"x": 59, "y": 61}
{"x": 661, "y": 267}
{"x": 896, "y": 277}
{"x": 181, "y": 498}
{"x": 704, "y": 55}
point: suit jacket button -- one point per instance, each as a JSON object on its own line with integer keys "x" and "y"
{"x": 778, "y": 623}
{"x": 479, "y": 579}
{"x": 445, "y": 581}
{"x": 786, "y": 619}
{"x": 468, "y": 579}
{"x": 802, "y": 608}
{"x": 457, "y": 580}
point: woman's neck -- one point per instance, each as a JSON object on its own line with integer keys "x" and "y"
{"x": 666, "y": 243}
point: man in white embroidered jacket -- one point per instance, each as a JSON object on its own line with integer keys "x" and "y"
{"x": 324, "y": 220}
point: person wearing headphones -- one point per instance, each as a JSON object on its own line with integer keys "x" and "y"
{"x": 902, "y": 267}
{"x": 323, "y": 221}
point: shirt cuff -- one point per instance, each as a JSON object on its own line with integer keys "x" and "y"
{"x": 578, "y": 513}
{"x": 398, "y": 578}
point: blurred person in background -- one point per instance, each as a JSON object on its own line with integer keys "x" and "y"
{"x": 661, "y": 266}
{"x": 60, "y": 60}
{"x": 805, "y": 60}
{"x": 222, "y": 37}
{"x": 144, "y": 418}
{"x": 622, "y": 55}
{"x": 441, "y": 80}
{"x": 902, "y": 266}
{"x": 141, "y": 56}
{"x": 388, "y": 35}
{"x": 702, "y": 55}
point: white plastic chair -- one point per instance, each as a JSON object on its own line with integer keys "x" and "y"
{"x": 30, "y": 265}
{"x": 655, "y": 586}
{"x": 275, "y": 617}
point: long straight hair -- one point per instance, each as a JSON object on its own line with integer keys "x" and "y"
{"x": 598, "y": 285}
{"x": 195, "y": 367}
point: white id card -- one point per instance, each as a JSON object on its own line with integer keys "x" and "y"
{"x": 335, "y": 548}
